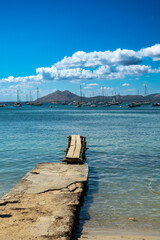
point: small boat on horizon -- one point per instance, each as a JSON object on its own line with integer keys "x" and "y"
{"x": 131, "y": 105}
{"x": 87, "y": 104}
{"x": 18, "y": 103}
{"x": 106, "y": 105}
{"x": 146, "y": 103}
{"x": 78, "y": 105}
{"x": 93, "y": 105}
{"x": 156, "y": 104}
{"x": 134, "y": 104}
{"x": 36, "y": 104}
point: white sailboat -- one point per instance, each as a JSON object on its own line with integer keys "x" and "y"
{"x": 18, "y": 103}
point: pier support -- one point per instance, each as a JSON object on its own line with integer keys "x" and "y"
{"x": 44, "y": 203}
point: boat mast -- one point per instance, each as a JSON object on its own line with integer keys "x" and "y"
{"x": 30, "y": 96}
{"x": 18, "y": 96}
{"x": 81, "y": 93}
{"x": 103, "y": 93}
{"x": 26, "y": 97}
{"x": 37, "y": 94}
{"x": 145, "y": 90}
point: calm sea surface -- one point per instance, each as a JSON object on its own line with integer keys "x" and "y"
{"x": 123, "y": 157}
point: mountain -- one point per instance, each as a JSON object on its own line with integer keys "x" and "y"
{"x": 154, "y": 97}
{"x": 67, "y": 96}
{"x": 59, "y": 96}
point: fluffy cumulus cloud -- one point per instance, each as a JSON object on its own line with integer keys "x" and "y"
{"x": 153, "y": 52}
{"x": 108, "y": 65}
{"x": 28, "y": 79}
{"x": 95, "y": 59}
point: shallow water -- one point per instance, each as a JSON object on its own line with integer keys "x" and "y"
{"x": 123, "y": 157}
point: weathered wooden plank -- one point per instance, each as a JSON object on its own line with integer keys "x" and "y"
{"x": 72, "y": 147}
{"x": 77, "y": 151}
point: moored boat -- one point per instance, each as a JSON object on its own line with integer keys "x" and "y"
{"x": 156, "y": 104}
{"x": 17, "y": 104}
{"x": 106, "y": 105}
{"x": 93, "y": 105}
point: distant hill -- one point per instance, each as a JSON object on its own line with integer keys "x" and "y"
{"x": 67, "y": 96}
{"x": 154, "y": 97}
{"x": 58, "y": 96}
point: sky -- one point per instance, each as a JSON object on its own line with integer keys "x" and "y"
{"x": 62, "y": 44}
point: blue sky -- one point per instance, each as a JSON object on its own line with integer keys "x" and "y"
{"x": 36, "y": 36}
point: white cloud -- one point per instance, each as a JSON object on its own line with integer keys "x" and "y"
{"x": 87, "y": 87}
{"x": 153, "y": 52}
{"x": 82, "y": 66}
{"x": 92, "y": 84}
{"x": 34, "y": 78}
{"x": 101, "y": 73}
{"x": 133, "y": 70}
{"x": 106, "y": 88}
{"x": 24, "y": 89}
{"x": 94, "y": 59}
{"x": 125, "y": 84}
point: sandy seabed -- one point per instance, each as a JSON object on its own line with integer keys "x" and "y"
{"x": 108, "y": 235}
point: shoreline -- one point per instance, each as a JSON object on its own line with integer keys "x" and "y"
{"x": 113, "y": 234}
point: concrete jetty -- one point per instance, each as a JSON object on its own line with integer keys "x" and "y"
{"x": 44, "y": 204}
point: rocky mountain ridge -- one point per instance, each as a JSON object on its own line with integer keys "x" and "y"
{"x": 67, "y": 96}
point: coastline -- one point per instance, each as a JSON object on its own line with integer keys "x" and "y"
{"x": 108, "y": 234}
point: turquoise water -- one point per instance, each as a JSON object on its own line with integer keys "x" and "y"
{"x": 123, "y": 157}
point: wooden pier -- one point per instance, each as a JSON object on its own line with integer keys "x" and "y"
{"x": 75, "y": 152}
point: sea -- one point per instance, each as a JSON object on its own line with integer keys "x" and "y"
{"x": 123, "y": 157}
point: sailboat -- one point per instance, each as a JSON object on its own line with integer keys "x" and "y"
{"x": 17, "y": 104}
{"x": 36, "y": 103}
{"x": 157, "y": 104}
{"x": 146, "y": 102}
